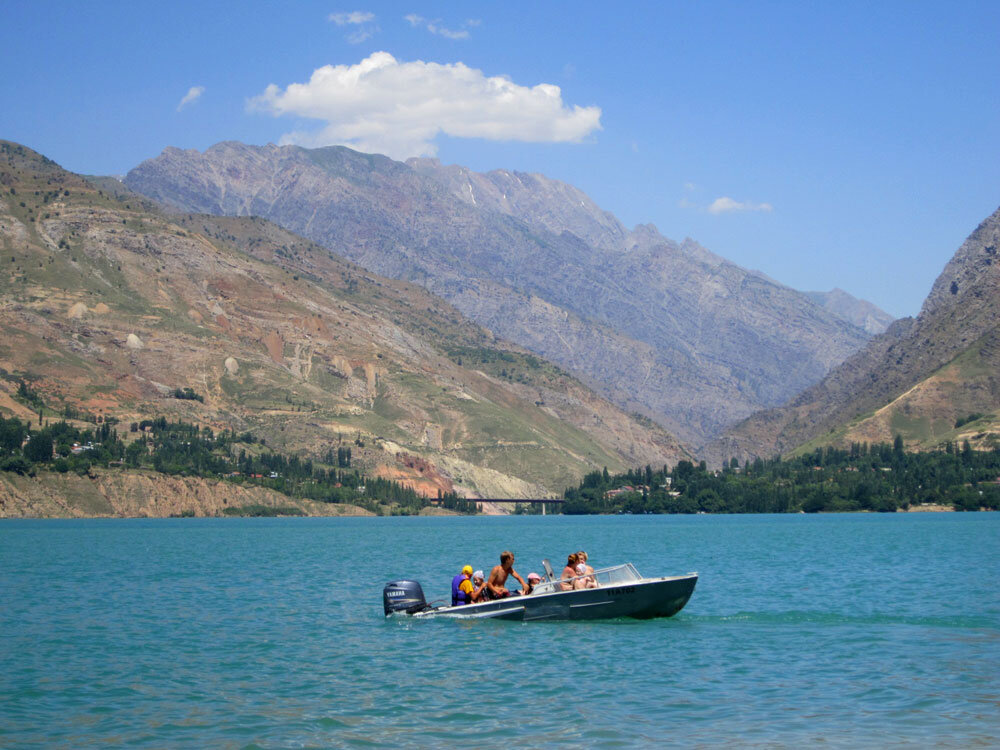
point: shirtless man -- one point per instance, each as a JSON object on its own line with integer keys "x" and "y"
{"x": 498, "y": 577}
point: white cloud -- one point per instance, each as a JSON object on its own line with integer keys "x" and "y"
{"x": 447, "y": 33}
{"x": 354, "y": 18}
{"x": 397, "y": 108}
{"x": 435, "y": 27}
{"x": 191, "y": 96}
{"x": 361, "y": 35}
{"x": 726, "y": 205}
{"x": 360, "y": 18}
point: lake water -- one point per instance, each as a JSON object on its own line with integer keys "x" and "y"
{"x": 833, "y": 630}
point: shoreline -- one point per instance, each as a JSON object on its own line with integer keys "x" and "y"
{"x": 932, "y": 508}
{"x": 116, "y": 494}
{"x": 135, "y": 494}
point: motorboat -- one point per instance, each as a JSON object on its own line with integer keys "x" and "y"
{"x": 619, "y": 591}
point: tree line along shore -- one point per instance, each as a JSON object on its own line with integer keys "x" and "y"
{"x": 882, "y": 477}
{"x": 879, "y": 477}
{"x": 181, "y": 449}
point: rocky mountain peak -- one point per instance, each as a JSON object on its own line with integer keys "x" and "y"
{"x": 531, "y": 197}
{"x": 972, "y": 274}
{"x": 646, "y": 236}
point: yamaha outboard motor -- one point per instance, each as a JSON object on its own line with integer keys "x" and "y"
{"x": 403, "y": 596}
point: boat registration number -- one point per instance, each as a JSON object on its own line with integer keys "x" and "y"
{"x": 621, "y": 590}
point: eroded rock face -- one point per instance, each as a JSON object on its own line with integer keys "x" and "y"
{"x": 663, "y": 328}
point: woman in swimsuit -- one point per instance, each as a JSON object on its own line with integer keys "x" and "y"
{"x": 566, "y": 582}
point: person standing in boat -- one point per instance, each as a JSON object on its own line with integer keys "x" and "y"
{"x": 495, "y": 586}
{"x": 461, "y": 588}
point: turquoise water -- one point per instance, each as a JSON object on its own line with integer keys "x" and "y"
{"x": 841, "y": 630}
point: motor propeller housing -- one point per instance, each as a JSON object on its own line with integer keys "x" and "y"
{"x": 403, "y": 596}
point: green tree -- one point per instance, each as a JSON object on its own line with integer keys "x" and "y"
{"x": 12, "y": 434}
{"x": 39, "y": 448}
{"x": 710, "y": 502}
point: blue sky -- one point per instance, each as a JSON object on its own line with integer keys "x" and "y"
{"x": 841, "y": 144}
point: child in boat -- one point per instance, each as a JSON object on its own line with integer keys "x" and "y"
{"x": 461, "y": 587}
{"x": 533, "y": 580}
{"x": 589, "y": 582}
{"x": 478, "y": 587}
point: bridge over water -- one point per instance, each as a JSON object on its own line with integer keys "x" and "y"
{"x": 542, "y": 501}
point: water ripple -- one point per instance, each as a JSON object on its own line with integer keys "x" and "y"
{"x": 266, "y": 633}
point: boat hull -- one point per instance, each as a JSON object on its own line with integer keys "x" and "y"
{"x": 644, "y": 599}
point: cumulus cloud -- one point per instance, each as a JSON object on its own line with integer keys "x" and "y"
{"x": 397, "y": 108}
{"x": 354, "y": 18}
{"x": 726, "y": 205}
{"x": 435, "y": 27}
{"x": 191, "y": 96}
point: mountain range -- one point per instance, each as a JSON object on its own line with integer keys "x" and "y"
{"x": 110, "y": 308}
{"x": 119, "y": 295}
{"x": 664, "y": 329}
{"x": 932, "y": 379}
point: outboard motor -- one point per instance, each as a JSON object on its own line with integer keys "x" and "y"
{"x": 403, "y": 596}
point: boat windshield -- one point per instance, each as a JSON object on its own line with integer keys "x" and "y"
{"x": 618, "y": 575}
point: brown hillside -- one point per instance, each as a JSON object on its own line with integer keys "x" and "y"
{"x": 108, "y": 306}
